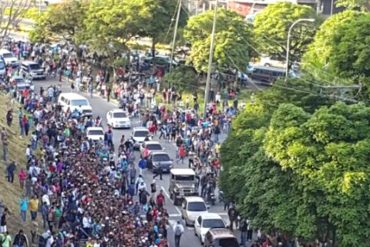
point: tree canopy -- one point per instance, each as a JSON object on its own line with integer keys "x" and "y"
{"x": 363, "y": 5}
{"x": 65, "y": 20}
{"x": 301, "y": 160}
{"x": 271, "y": 27}
{"x": 341, "y": 45}
{"x": 232, "y": 40}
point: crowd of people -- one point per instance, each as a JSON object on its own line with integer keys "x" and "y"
{"x": 67, "y": 182}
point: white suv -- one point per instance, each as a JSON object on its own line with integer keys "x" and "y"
{"x": 9, "y": 58}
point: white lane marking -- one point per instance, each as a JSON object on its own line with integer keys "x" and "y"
{"x": 175, "y": 215}
{"x": 165, "y": 192}
{"x": 168, "y": 196}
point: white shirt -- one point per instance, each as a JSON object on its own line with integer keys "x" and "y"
{"x": 50, "y": 241}
{"x": 46, "y": 199}
{"x": 86, "y": 222}
{"x": 180, "y": 226}
{"x": 142, "y": 186}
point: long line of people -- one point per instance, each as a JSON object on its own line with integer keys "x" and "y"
{"x": 71, "y": 184}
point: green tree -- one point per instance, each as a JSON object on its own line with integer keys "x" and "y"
{"x": 183, "y": 77}
{"x": 64, "y": 20}
{"x": 351, "y": 50}
{"x": 111, "y": 24}
{"x": 41, "y": 32}
{"x": 271, "y": 27}
{"x": 363, "y": 5}
{"x": 320, "y": 51}
{"x": 329, "y": 151}
{"x": 231, "y": 40}
{"x": 161, "y": 26}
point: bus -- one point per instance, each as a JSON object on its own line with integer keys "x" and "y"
{"x": 266, "y": 75}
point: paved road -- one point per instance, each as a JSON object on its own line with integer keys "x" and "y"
{"x": 101, "y": 107}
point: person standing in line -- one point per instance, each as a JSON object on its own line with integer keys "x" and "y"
{"x": 9, "y": 117}
{"x": 243, "y": 232}
{"x": 34, "y": 206}
{"x": 10, "y": 171}
{"x": 20, "y": 240}
{"x": 7, "y": 240}
{"x": 23, "y": 203}
{"x": 178, "y": 231}
{"x": 5, "y": 142}
{"x": 22, "y": 176}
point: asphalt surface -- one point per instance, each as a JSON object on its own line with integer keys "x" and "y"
{"x": 100, "y": 107}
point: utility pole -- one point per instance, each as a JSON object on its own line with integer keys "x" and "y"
{"x": 175, "y": 33}
{"x": 212, "y": 46}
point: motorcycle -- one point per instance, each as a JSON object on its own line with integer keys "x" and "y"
{"x": 221, "y": 196}
{"x": 211, "y": 197}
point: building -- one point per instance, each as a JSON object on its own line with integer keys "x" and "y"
{"x": 250, "y": 7}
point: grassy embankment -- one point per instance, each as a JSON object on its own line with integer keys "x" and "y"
{"x": 11, "y": 193}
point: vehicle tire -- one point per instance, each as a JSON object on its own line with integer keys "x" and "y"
{"x": 195, "y": 233}
{"x": 267, "y": 65}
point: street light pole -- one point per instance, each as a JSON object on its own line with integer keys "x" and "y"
{"x": 212, "y": 46}
{"x": 175, "y": 34}
{"x": 288, "y": 43}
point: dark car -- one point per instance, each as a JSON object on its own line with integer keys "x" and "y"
{"x": 158, "y": 159}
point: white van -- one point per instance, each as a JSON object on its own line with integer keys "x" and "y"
{"x": 9, "y": 58}
{"x": 74, "y": 101}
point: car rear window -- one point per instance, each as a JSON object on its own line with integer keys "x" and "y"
{"x": 141, "y": 133}
{"x": 154, "y": 146}
{"x": 161, "y": 157}
{"x": 197, "y": 206}
{"x": 95, "y": 132}
{"x": 119, "y": 115}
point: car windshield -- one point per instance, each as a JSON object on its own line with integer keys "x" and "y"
{"x": 213, "y": 223}
{"x": 228, "y": 242}
{"x": 7, "y": 55}
{"x": 185, "y": 178}
{"x": 161, "y": 157}
{"x": 34, "y": 66}
{"x": 141, "y": 133}
{"x": 96, "y": 133}
{"x": 19, "y": 80}
{"x": 154, "y": 146}
{"x": 78, "y": 102}
{"x": 119, "y": 115}
{"x": 197, "y": 206}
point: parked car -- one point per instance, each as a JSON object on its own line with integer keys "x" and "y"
{"x": 219, "y": 237}
{"x": 32, "y": 70}
{"x": 160, "y": 159}
{"x": 205, "y": 222}
{"x": 9, "y": 58}
{"x": 138, "y": 136}
{"x": 118, "y": 119}
{"x": 95, "y": 133}
{"x": 151, "y": 146}
{"x": 192, "y": 208}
